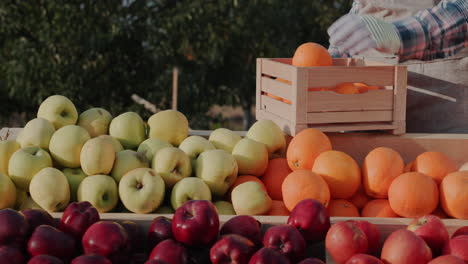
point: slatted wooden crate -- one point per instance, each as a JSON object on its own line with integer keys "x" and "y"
{"x": 299, "y": 107}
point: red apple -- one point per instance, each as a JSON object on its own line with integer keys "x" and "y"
{"x": 196, "y": 223}
{"x": 372, "y": 234}
{"x": 232, "y": 248}
{"x": 460, "y": 231}
{"x": 170, "y": 251}
{"x": 432, "y": 230}
{"x": 344, "y": 240}
{"x": 244, "y": 225}
{"x": 447, "y": 259}
{"x": 268, "y": 256}
{"x": 37, "y": 217}
{"x": 405, "y": 247}
{"x": 45, "y": 259}
{"x": 108, "y": 239}
{"x": 159, "y": 230}
{"x": 287, "y": 240}
{"x": 48, "y": 240}
{"x": 363, "y": 259}
{"x": 311, "y": 218}
{"x": 156, "y": 261}
{"x": 91, "y": 259}
{"x": 135, "y": 239}
{"x": 457, "y": 246}
{"x": 77, "y": 217}
{"x": 13, "y": 228}
{"x": 311, "y": 261}
{"x": 11, "y": 255}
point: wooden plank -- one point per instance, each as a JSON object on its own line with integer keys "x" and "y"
{"x": 331, "y": 76}
{"x": 279, "y": 108}
{"x": 286, "y": 125}
{"x": 3, "y": 133}
{"x": 354, "y": 126}
{"x": 282, "y": 60}
{"x": 276, "y": 88}
{"x": 258, "y": 88}
{"x": 349, "y": 117}
{"x": 399, "y": 99}
{"x": 323, "y": 101}
{"x": 299, "y": 102}
{"x": 277, "y": 69}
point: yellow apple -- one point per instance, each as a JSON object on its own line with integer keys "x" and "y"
{"x": 187, "y": 189}
{"x": 223, "y": 138}
{"x": 249, "y": 198}
{"x": 141, "y": 190}
{"x": 96, "y": 121}
{"x": 127, "y": 160}
{"x": 129, "y": 129}
{"x": 25, "y": 163}
{"x": 7, "y": 192}
{"x": 97, "y": 156}
{"x": 66, "y": 144}
{"x": 59, "y": 110}
{"x": 117, "y": 146}
{"x": 100, "y": 190}
{"x": 50, "y": 190}
{"x": 74, "y": 177}
{"x": 218, "y": 169}
{"x": 36, "y": 132}
{"x": 224, "y": 208}
{"x": 7, "y": 148}
{"x": 172, "y": 164}
{"x": 169, "y": 125}
{"x": 270, "y": 134}
{"x": 194, "y": 145}
{"x": 251, "y": 156}
{"x": 151, "y": 146}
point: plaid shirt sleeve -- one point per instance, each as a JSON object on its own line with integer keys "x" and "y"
{"x": 434, "y": 33}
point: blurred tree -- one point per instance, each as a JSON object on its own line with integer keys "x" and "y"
{"x": 99, "y": 53}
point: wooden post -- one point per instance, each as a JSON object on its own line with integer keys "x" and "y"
{"x": 175, "y": 76}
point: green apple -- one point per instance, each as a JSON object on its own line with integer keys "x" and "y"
{"x": 117, "y": 146}
{"x": 36, "y": 132}
{"x": 21, "y": 196}
{"x": 100, "y": 191}
{"x": 249, "y": 198}
{"x": 223, "y": 138}
{"x": 218, "y": 169}
{"x": 66, "y": 144}
{"x": 187, "y": 189}
{"x": 96, "y": 121}
{"x": 129, "y": 129}
{"x": 151, "y": 146}
{"x": 270, "y": 134}
{"x": 127, "y": 160}
{"x": 25, "y": 163}
{"x": 194, "y": 145}
{"x": 172, "y": 164}
{"x": 29, "y": 203}
{"x": 7, "y": 148}
{"x": 164, "y": 210}
{"x": 141, "y": 190}
{"x": 59, "y": 110}
{"x": 50, "y": 190}
{"x": 169, "y": 125}
{"x": 7, "y": 192}
{"x": 251, "y": 156}
{"x": 224, "y": 208}
{"x": 74, "y": 177}
{"x": 97, "y": 156}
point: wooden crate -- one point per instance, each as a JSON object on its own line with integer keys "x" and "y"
{"x": 303, "y": 107}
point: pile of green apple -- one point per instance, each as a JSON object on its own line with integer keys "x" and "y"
{"x": 123, "y": 163}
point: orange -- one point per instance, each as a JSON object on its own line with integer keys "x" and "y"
{"x": 278, "y": 208}
{"x": 342, "y": 208}
{"x": 304, "y": 184}
{"x": 340, "y": 171}
{"x": 274, "y": 176}
{"x": 310, "y": 55}
{"x": 242, "y": 179}
{"x": 346, "y": 88}
{"x": 408, "y": 167}
{"x": 381, "y": 166}
{"x": 435, "y": 164}
{"x": 305, "y": 147}
{"x": 286, "y": 101}
{"x": 319, "y": 89}
{"x": 360, "y": 198}
{"x": 362, "y": 87}
{"x": 413, "y": 195}
{"x": 274, "y": 96}
{"x": 283, "y": 81}
{"x": 378, "y": 208}
{"x": 454, "y": 194}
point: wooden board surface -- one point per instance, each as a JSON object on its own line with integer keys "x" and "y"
{"x": 328, "y": 101}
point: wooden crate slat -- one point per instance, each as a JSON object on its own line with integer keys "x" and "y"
{"x": 276, "y": 88}
{"x": 277, "y": 69}
{"x": 354, "y": 126}
{"x": 279, "y": 108}
{"x": 283, "y": 60}
{"x": 323, "y": 101}
{"x": 349, "y": 117}
{"x": 331, "y": 76}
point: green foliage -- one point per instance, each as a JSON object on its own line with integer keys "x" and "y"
{"x": 99, "y": 53}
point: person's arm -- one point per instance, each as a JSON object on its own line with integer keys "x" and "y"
{"x": 434, "y": 33}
